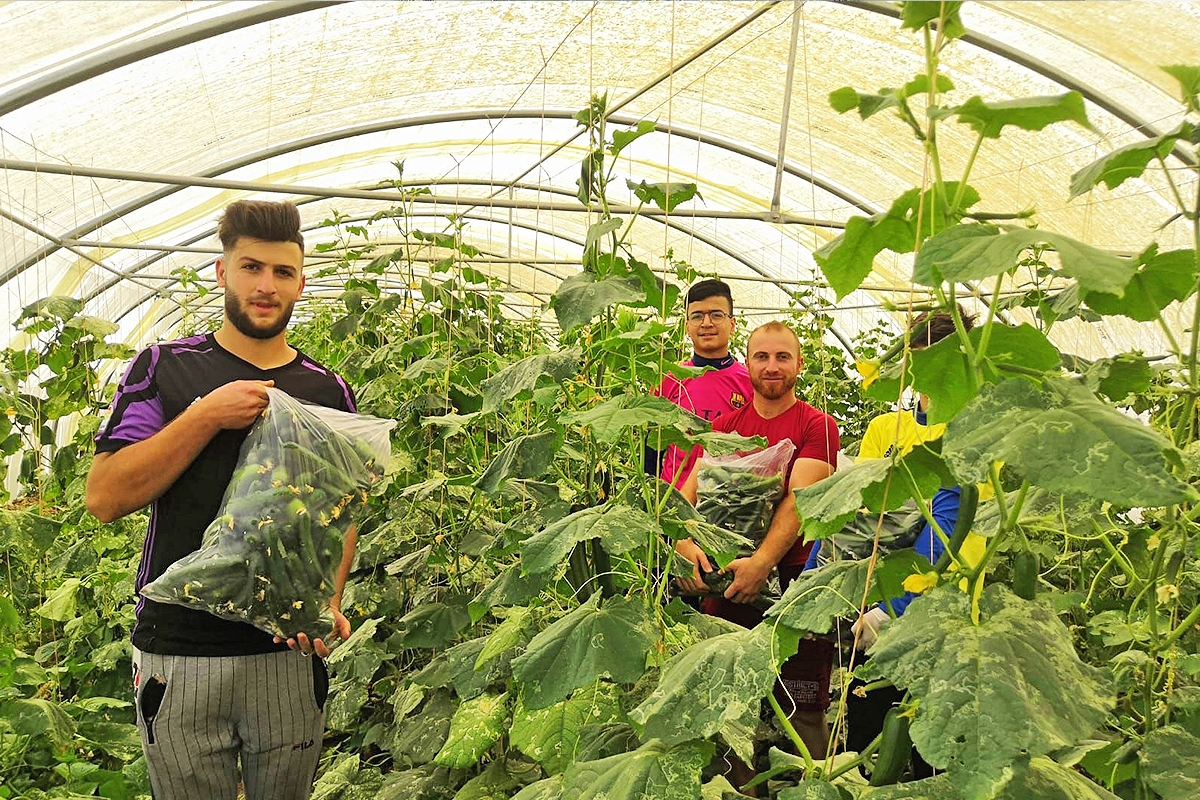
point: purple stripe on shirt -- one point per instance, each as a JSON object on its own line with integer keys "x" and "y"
{"x": 140, "y": 421}
{"x": 346, "y": 395}
{"x": 144, "y": 566}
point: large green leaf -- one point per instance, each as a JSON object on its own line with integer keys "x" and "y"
{"x": 1124, "y": 163}
{"x": 820, "y": 596}
{"x": 1064, "y": 440}
{"x": 1027, "y": 113}
{"x": 941, "y": 370}
{"x": 973, "y": 252}
{"x": 1120, "y": 376}
{"x": 434, "y": 624}
{"x": 664, "y": 195}
{"x": 1188, "y": 76}
{"x": 936, "y": 788}
{"x": 719, "y": 788}
{"x": 581, "y": 297}
{"x": 1042, "y": 780}
{"x": 523, "y": 376}
{"x": 723, "y": 545}
{"x": 847, "y": 260}
{"x": 475, "y": 727}
{"x": 546, "y": 789}
{"x": 827, "y": 505}
{"x": 620, "y": 528}
{"x": 426, "y": 782}
{"x": 509, "y": 588}
{"x": 586, "y": 644}
{"x": 456, "y": 667}
{"x": 523, "y": 457}
{"x": 914, "y": 16}
{"x": 654, "y": 770}
{"x": 990, "y": 696}
{"x": 811, "y": 789}
{"x": 879, "y": 484}
{"x": 1170, "y": 757}
{"x": 498, "y": 780}
{"x": 1161, "y": 279}
{"x": 37, "y": 716}
{"x": 712, "y": 682}
{"x": 419, "y": 737}
{"x": 550, "y": 735}
{"x": 60, "y": 605}
{"x": 610, "y": 420}
{"x": 1046, "y": 780}
{"x": 679, "y": 519}
{"x": 600, "y": 229}
{"x": 57, "y": 306}
{"x": 622, "y": 139}
{"x": 913, "y": 216}
{"x": 507, "y": 635}
{"x": 868, "y": 105}
{"x": 337, "y": 778}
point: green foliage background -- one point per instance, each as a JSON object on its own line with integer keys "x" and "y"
{"x": 509, "y": 598}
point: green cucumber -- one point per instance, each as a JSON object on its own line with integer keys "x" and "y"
{"x": 1026, "y": 569}
{"x": 895, "y": 749}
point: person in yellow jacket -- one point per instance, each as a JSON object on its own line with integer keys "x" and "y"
{"x": 886, "y": 434}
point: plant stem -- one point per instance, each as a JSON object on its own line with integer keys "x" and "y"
{"x": 858, "y": 759}
{"x": 809, "y": 767}
{"x": 1183, "y": 627}
{"x": 962, "y": 184}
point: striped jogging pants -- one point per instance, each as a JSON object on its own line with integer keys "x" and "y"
{"x": 198, "y": 716}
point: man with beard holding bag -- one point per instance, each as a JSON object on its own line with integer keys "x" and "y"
{"x": 210, "y": 692}
{"x": 775, "y": 413}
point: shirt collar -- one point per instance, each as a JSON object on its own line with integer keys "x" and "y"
{"x": 719, "y": 363}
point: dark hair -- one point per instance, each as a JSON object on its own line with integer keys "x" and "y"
{"x": 259, "y": 219}
{"x": 710, "y": 287}
{"x": 933, "y": 326}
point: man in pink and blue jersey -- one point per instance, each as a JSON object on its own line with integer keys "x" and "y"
{"x": 722, "y": 388}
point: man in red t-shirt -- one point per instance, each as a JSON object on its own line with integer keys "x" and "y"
{"x": 775, "y": 413}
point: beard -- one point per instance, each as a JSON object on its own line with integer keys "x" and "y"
{"x": 238, "y": 316}
{"x": 773, "y": 391}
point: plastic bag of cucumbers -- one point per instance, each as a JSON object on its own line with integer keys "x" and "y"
{"x": 271, "y": 556}
{"x": 740, "y": 492}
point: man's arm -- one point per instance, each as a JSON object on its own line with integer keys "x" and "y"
{"x": 750, "y": 573}
{"x": 136, "y": 475}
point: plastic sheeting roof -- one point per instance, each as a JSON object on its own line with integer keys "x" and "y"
{"x": 125, "y": 128}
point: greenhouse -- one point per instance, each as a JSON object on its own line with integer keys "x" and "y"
{"x": 539, "y": 566}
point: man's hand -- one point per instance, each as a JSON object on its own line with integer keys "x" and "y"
{"x": 749, "y": 578}
{"x": 235, "y": 405}
{"x": 700, "y": 564}
{"x": 341, "y": 630}
{"x": 866, "y": 627}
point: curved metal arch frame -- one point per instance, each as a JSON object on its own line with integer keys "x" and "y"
{"x": 115, "y": 57}
{"x": 209, "y": 177}
{"x": 473, "y": 213}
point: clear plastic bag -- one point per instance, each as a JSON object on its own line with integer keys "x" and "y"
{"x": 271, "y": 556}
{"x": 740, "y": 492}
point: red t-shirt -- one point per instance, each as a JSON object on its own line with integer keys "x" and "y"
{"x": 814, "y": 433}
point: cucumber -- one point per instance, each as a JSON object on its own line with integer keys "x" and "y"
{"x": 1026, "y": 569}
{"x": 895, "y": 749}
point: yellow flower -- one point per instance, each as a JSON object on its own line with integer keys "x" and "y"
{"x": 868, "y": 369}
{"x": 920, "y": 582}
{"x": 1167, "y": 593}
